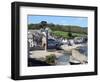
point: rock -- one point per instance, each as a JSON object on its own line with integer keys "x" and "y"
{"x": 78, "y": 56}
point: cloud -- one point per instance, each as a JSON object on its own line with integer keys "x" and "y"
{"x": 81, "y": 18}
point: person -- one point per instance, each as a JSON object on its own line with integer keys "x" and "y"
{"x": 30, "y": 40}
{"x": 44, "y": 41}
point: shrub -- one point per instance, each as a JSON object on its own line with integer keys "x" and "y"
{"x": 50, "y": 59}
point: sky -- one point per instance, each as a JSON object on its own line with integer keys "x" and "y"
{"x": 61, "y": 20}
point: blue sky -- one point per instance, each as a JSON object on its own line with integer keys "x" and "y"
{"x": 62, "y": 20}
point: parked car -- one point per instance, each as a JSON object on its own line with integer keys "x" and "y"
{"x": 53, "y": 44}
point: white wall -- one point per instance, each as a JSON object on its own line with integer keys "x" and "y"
{"x": 5, "y": 41}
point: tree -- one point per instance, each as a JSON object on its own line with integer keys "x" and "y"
{"x": 69, "y": 33}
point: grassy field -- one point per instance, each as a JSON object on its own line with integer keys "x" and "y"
{"x": 65, "y": 34}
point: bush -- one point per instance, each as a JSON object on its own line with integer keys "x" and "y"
{"x": 50, "y": 59}
{"x": 69, "y": 34}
